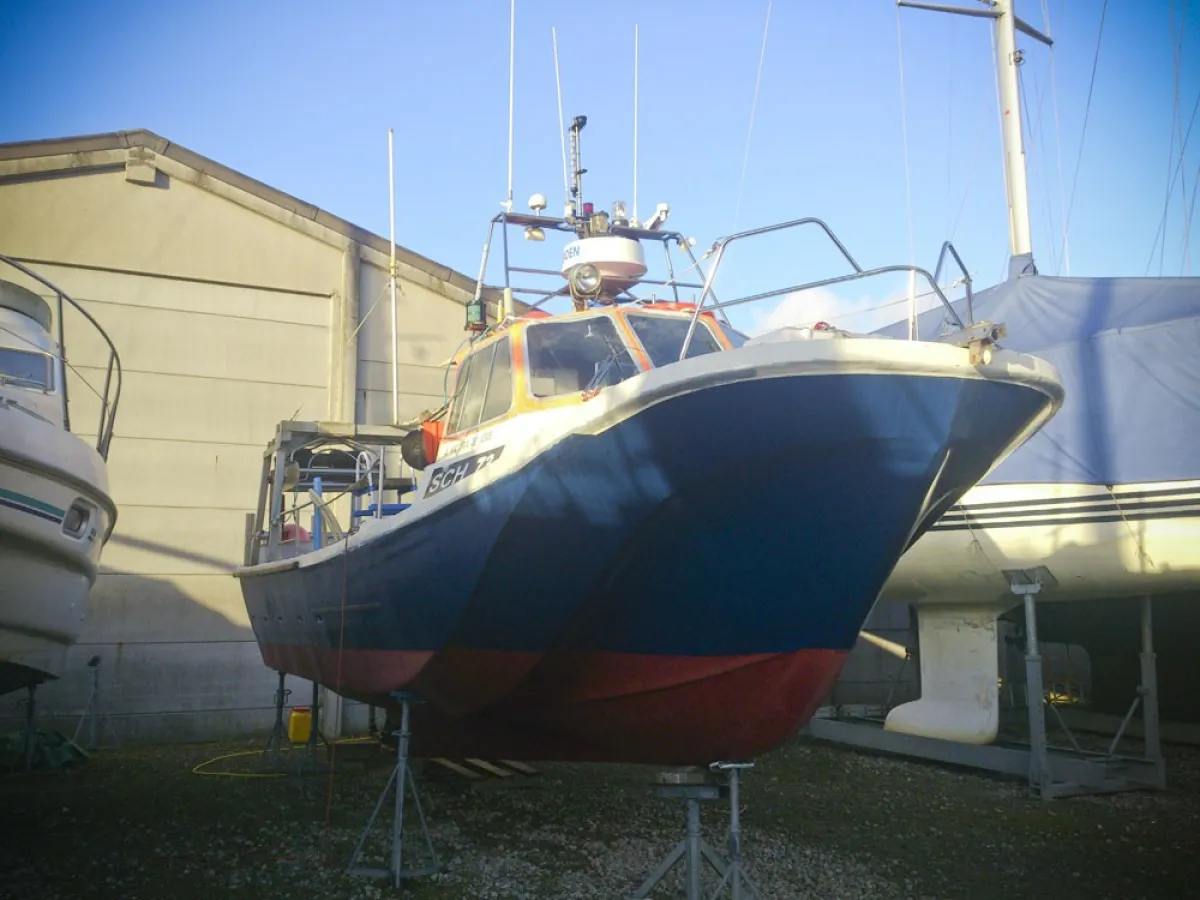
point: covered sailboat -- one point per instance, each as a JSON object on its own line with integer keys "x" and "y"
{"x": 633, "y": 534}
{"x": 1103, "y": 502}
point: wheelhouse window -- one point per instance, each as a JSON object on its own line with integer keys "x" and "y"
{"x": 663, "y": 336}
{"x": 23, "y": 368}
{"x": 565, "y": 357}
{"x": 736, "y": 338}
{"x": 484, "y": 390}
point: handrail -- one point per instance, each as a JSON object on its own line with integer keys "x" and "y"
{"x": 717, "y": 251}
{"x": 948, "y": 247}
{"x": 108, "y": 410}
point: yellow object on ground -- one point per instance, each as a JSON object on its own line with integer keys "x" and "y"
{"x": 299, "y": 724}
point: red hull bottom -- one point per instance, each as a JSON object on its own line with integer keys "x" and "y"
{"x": 585, "y": 706}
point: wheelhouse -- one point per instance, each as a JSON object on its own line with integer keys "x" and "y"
{"x": 539, "y": 362}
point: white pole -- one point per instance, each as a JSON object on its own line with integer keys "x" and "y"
{"x": 634, "y": 211}
{"x": 1020, "y": 241}
{"x": 512, "y": 38}
{"x": 562, "y": 130}
{"x": 392, "y": 280}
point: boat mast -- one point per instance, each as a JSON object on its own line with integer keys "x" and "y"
{"x": 1006, "y": 24}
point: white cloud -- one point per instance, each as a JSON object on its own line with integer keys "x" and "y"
{"x": 862, "y": 315}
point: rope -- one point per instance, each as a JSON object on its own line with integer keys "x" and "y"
{"x": 1087, "y": 108}
{"x": 762, "y": 55}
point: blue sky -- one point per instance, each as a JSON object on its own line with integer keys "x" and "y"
{"x": 300, "y": 95}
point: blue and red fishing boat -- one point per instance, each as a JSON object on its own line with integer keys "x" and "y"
{"x": 632, "y": 533}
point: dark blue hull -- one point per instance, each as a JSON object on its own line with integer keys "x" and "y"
{"x": 759, "y": 517}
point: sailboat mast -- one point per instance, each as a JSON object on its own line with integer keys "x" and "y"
{"x": 1008, "y": 58}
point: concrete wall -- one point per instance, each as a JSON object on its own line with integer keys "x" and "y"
{"x": 229, "y": 315}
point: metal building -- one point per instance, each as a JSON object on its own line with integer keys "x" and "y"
{"x": 233, "y": 306}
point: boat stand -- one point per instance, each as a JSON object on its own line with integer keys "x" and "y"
{"x": 693, "y": 786}
{"x": 1052, "y": 771}
{"x": 33, "y": 746}
{"x": 404, "y": 782}
{"x": 306, "y": 757}
{"x": 94, "y": 715}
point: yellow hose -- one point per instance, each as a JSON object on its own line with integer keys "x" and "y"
{"x": 209, "y": 762}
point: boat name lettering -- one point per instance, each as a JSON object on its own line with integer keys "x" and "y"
{"x": 570, "y": 252}
{"x": 452, "y": 473}
{"x": 470, "y": 442}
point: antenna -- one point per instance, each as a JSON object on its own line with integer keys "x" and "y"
{"x": 512, "y": 42}
{"x": 392, "y": 280}
{"x": 576, "y": 170}
{"x": 562, "y": 131}
{"x": 1008, "y": 57}
{"x": 634, "y": 220}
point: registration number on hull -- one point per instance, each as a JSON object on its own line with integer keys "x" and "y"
{"x": 452, "y": 473}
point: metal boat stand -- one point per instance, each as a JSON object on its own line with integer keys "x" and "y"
{"x": 404, "y": 782}
{"x": 306, "y": 759}
{"x": 33, "y": 745}
{"x": 694, "y": 786}
{"x": 94, "y": 715}
{"x": 1052, "y": 771}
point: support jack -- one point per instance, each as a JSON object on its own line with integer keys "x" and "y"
{"x": 694, "y": 787}
{"x": 305, "y": 757}
{"x": 404, "y": 782}
{"x": 97, "y": 719}
{"x": 33, "y": 748}
{"x": 1051, "y": 771}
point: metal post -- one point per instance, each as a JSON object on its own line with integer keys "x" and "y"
{"x": 401, "y": 785}
{"x": 93, "y": 737}
{"x": 735, "y": 835}
{"x": 1039, "y": 763}
{"x": 318, "y": 522}
{"x": 693, "y": 849}
{"x": 402, "y": 779}
{"x": 1149, "y": 692}
{"x": 1008, "y": 58}
{"x": 392, "y": 284}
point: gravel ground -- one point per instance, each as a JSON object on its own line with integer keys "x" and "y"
{"x": 820, "y": 822}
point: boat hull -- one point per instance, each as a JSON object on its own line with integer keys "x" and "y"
{"x": 668, "y": 587}
{"x": 1087, "y": 542}
{"x": 47, "y": 572}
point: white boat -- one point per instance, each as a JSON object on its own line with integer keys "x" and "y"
{"x": 55, "y": 510}
{"x": 1103, "y": 502}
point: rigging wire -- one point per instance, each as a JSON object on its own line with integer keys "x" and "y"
{"x": 912, "y": 244}
{"x": 1037, "y": 138}
{"x": 1162, "y": 224}
{"x": 1191, "y": 214}
{"x": 762, "y": 55}
{"x": 1064, "y": 254}
{"x": 1187, "y": 216}
{"x": 1176, "y": 124}
{"x": 1087, "y": 108}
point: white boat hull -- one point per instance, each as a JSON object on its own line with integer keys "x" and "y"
{"x": 1092, "y": 541}
{"x": 49, "y": 553}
